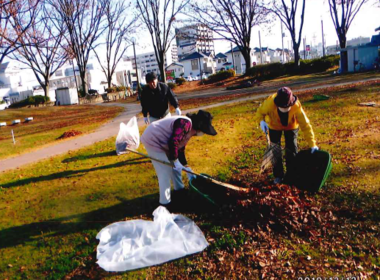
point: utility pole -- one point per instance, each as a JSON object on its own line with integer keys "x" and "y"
{"x": 261, "y": 50}
{"x": 282, "y": 39}
{"x": 233, "y": 59}
{"x": 137, "y": 74}
{"x": 323, "y": 39}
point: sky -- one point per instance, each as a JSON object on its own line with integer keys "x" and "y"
{"x": 364, "y": 24}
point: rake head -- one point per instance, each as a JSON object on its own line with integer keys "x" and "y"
{"x": 272, "y": 156}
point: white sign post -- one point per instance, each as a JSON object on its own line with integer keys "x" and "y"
{"x": 13, "y": 137}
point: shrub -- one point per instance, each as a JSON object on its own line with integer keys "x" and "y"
{"x": 221, "y": 75}
{"x": 172, "y": 85}
{"x": 116, "y": 89}
{"x": 274, "y": 70}
{"x": 180, "y": 81}
{"x": 31, "y": 100}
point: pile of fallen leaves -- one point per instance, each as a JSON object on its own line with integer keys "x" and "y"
{"x": 70, "y": 133}
{"x": 281, "y": 208}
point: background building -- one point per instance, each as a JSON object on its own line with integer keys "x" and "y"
{"x": 147, "y": 62}
{"x": 194, "y": 38}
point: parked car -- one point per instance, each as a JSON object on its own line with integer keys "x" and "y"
{"x": 189, "y": 79}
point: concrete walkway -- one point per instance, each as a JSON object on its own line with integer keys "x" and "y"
{"x": 111, "y": 128}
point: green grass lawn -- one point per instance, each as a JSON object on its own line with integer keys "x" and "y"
{"x": 50, "y": 212}
{"x": 49, "y": 124}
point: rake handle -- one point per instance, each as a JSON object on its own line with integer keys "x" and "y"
{"x": 191, "y": 172}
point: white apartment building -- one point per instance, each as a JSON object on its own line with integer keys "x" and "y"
{"x": 194, "y": 38}
{"x": 147, "y": 62}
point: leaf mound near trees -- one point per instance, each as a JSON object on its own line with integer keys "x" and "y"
{"x": 70, "y": 133}
{"x": 281, "y": 208}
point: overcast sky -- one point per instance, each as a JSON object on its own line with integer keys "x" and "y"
{"x": 363, "y": 25}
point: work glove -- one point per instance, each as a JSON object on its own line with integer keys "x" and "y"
{"x": 189, "y": 175}
{"x": 146, "y": 120}
{"x": 178, "y": 166}
{"x": 315, "y": 148}
{"x": 264, "y": 127}
{"x": 178, "y": 111}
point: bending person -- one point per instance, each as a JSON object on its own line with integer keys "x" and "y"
{"x": 282, "y": 112}
{"x": 166, "y": 140}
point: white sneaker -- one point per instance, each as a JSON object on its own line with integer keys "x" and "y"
{"x": 277, "y": 180}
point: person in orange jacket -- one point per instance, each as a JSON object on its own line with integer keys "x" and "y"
{"x": 282, "y": 112}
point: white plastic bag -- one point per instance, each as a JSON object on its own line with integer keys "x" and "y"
{"x": 136, "y": 244}
{"x": 128, "y": 137}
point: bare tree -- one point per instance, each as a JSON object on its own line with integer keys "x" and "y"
{"x": 233, "y": 20}
{"x": 83, "y": 20}
{"x": 116, "y": 41}
{"x": 286, "y": 11}
{"x": 9, "y": 37}
{"x": 158, "y": 16}
{"x": 342, "y": 14}
{"x": 40, "y": 47}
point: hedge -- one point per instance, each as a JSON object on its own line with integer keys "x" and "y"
{"x": 172, "y": 85}
{"x": 274, "y": 70}
{"x": 220, "y": 76}
{"x": 180, "y": 81}
{"x": 116, "y": 89}
{"x": 31, "y": 100}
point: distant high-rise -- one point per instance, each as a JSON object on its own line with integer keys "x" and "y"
{"x": 147, "y": 62}
{"x": 194, "y": 38}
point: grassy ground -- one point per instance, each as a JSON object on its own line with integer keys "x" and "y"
{"x": 51, "y": 212}
{"x": 49, "y": 123}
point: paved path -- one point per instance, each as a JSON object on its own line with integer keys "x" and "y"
{"x": 111, "y": 128}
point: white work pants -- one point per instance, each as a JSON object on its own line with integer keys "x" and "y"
{"x": 165, "y": 174}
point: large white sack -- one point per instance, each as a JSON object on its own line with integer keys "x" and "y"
{"x": 135, "y": 244}
{"x": 128, "y": 137}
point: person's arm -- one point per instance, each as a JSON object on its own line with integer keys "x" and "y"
{"x": 182, "y": 156}
{"x": 144, "y": 103}
{"x": 172, "y": 98}
{"x": 180, "y": 128}
{"x": 262, "y": 111}
{"x": 306, "y": 127}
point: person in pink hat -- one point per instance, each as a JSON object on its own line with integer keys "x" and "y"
{"x": 282, "y": 113}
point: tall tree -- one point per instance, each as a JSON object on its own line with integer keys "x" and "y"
{"x": 40, "y": 47}
{"x": 233, "y": 20}
{"x": 9, "y": 37}
{"x": 287, "y": 11}
{"x": 159, "y": 16}
{"x": 342, "y": 14}
{"x": 83, "y": 20}
{"x": 116, "y": 37}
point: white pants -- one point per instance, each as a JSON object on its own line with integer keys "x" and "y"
{"x": 165, "y": 174}
{"x": 153, "y": 119}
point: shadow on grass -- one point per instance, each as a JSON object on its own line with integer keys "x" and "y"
{"x": 97, "y": 219}
{"x": 100, "y": 155}
{"x": 72, "y": 173}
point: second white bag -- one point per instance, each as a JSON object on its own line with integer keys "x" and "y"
{"x": 128, "y": 137}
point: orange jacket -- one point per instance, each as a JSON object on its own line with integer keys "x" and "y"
{"x": 297, "y": 118}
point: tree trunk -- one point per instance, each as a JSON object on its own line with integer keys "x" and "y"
{"x": 342, "y": 41}
{"x": 162, "y": 67}
{"x": 247, "y": 57}
{"x": 109, "y": 82}
{"x": 83, "y": 77}
{"x": 296, "y": 48}
{"x": 46, "y": 88}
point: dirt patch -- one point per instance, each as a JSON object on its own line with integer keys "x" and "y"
{"x": 68, "y": 134}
